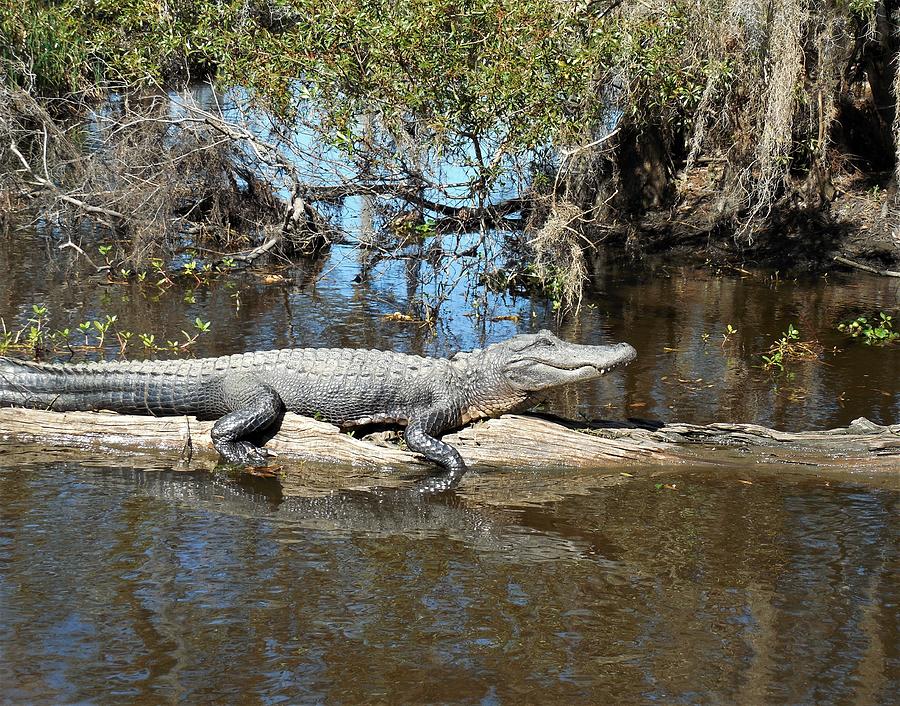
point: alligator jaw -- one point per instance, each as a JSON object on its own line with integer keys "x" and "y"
{"x": 620, "y": 356}
{"x": 623, "y": 355}
{"x": 544, "y": 362}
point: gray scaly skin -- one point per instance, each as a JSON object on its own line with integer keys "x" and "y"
{"x": 249, "y": 392}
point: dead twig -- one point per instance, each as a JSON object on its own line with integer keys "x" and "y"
{"x": 47, "y": 184}
{"x": 865, "y": 268}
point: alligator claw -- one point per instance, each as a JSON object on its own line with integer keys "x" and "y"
{"x": 243, "y": 453}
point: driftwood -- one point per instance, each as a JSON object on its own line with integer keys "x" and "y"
{"x": 866, "y": 268}
{"x": 510, "y": 442}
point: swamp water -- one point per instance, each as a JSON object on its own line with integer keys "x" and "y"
{"x": 122, "y": 582}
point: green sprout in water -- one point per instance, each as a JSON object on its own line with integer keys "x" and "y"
{"x": 36, "y": 338}
{"x": 729, "y": 332}
{"x": 877, "y": 332}
{"x": 789, "y": 347}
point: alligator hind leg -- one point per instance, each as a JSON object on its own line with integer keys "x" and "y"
{"x": 260, "y": 407}
{"x": 420, "y": 441}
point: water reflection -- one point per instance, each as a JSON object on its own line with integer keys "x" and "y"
{"x": 158, "y": 586}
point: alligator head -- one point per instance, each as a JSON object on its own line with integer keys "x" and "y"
{"x": 532, "y": 363}
{"x": 539, "y": 361}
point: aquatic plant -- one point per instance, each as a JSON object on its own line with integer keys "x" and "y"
{"x": 729, "y": 332}
{"x": 873, "y": 331}
{"x": 790, "y": 348}
{"x": 36, "y": 339}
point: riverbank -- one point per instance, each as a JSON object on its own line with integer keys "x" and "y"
{"x": 722, "y": 132}
{"x": 860, "y": 223}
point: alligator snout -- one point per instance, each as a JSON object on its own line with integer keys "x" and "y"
{"x": 621, "y": 355}
{"x": 627, "y": 353}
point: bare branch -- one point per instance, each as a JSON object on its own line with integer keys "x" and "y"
{"x": 865, "y": 268}
{"x": 50, "y": 186}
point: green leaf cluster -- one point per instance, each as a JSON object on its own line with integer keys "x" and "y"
{"x": 524, "y": 71}
{"x": 42, "y": 45}
{"x": 875, "y": 331}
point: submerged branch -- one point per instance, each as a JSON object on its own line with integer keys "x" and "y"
{"x": 260, "y": 250}
{"x": 461, "y": 216}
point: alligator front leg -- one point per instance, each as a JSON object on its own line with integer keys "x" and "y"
{"x": 260, "y": 407}
{"x": 420, "y": 441}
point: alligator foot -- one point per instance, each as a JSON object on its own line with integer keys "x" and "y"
{"x": 242, "y": 453}
{"x": 259, "y": 408}
{"x": 419, "y": 440}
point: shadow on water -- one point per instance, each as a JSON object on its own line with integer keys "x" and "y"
{"x": 506, "y": 534}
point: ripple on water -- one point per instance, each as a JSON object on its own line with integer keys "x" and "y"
{"x": 168, "y": 586}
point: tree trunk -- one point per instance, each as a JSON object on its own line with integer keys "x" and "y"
{"x": 510, "y": 442}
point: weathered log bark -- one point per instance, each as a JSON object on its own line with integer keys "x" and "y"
{"x": 512, "y": 441}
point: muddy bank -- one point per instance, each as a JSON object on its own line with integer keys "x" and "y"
{"x": 859, "y": 223}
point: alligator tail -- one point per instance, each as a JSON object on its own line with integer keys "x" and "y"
{"x": 11, "y": 391}
{"x": 137, "y": 388}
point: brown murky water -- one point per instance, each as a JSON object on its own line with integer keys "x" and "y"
{"x": 129, "y": 586}
{"x": 121, "y": 583}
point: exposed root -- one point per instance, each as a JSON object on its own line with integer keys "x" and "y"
{"x": 896, "y": 125}
{"x": 892, "y": 205}
{"x": 866, "y": 268}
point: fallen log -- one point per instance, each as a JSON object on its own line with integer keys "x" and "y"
{"x": 512, "y": 441}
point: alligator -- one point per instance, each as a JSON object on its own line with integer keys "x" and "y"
{"x": 249, "y": 392}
